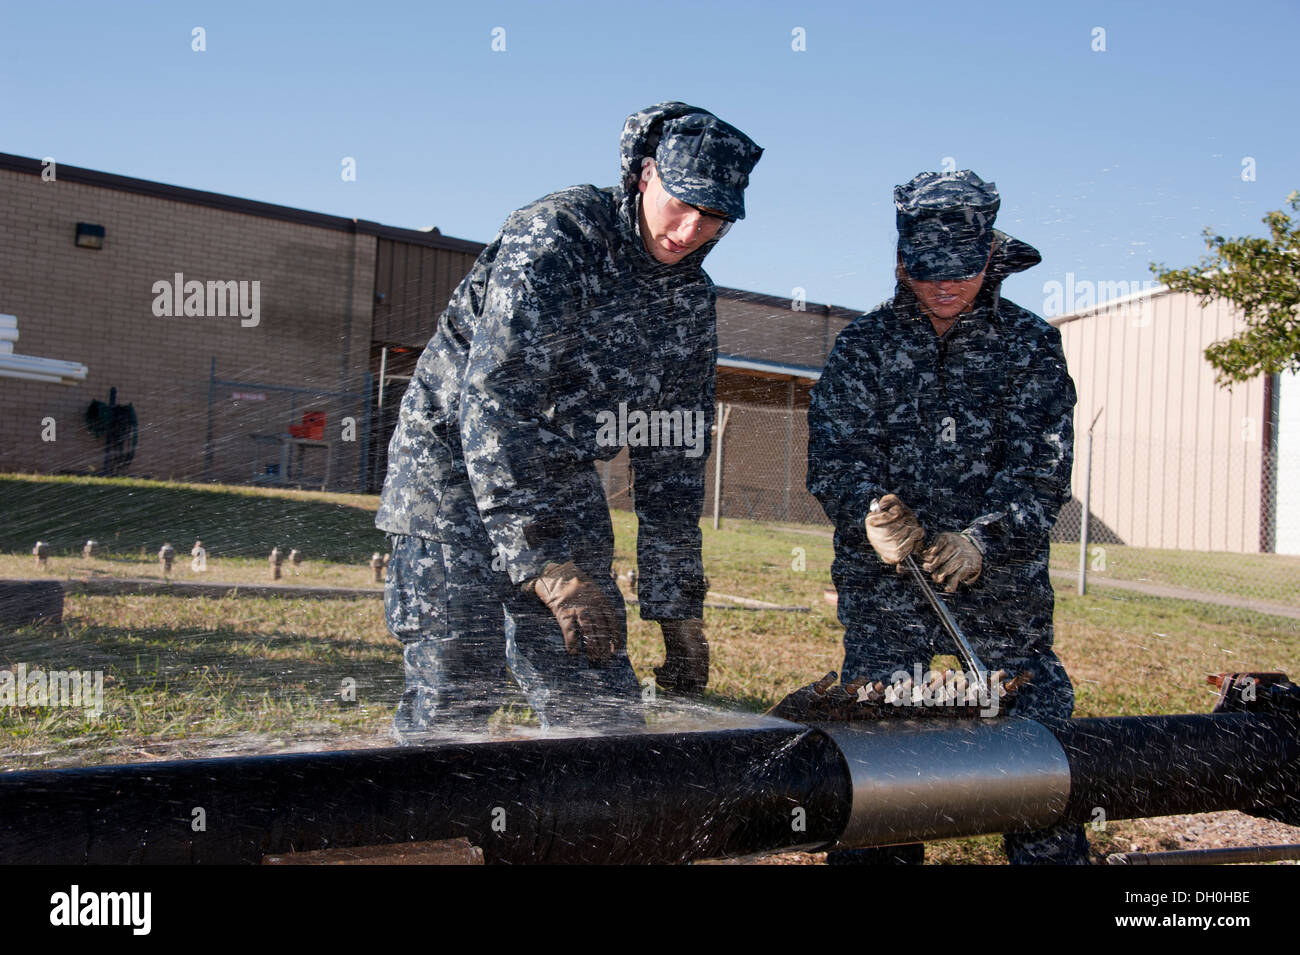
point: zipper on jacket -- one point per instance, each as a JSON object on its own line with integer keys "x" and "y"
{"x": 943, "y": 378}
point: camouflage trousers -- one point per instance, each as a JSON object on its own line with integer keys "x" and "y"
{"x": 474, "y": 642}
{"x": 890, "y": 627}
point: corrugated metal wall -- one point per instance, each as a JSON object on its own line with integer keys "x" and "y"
{"x": 412, "y": 286}
{"x": 1288, "y": 464}
{"x": 1177, "y": 459}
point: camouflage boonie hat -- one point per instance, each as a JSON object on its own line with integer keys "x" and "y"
{"x": 706, "y": 162}
{"x": 945, "y": 224}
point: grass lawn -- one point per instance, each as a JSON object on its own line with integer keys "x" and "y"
{"x": 133, "y": 518}
{"x": 1270, "y": 577}
{"x": 194, "y": 677}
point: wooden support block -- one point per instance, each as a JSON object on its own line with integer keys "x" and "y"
{"x": 443, "y": 852}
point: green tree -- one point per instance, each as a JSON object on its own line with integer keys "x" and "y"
{"x": 1262, "y": 278}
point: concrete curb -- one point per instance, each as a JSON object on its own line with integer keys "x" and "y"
{"x": 1182, "y": 593}
{"x": 185, "y": 588}
{"x": 109, "y": 586}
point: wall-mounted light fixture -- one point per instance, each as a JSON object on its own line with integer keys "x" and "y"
{"x": 90, "y": 236}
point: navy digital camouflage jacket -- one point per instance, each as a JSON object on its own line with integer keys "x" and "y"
{"x": 564, "y": 324}
{"x": 974, "y": 431}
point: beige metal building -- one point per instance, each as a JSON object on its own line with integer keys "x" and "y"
{"x": 1179, "y": 461}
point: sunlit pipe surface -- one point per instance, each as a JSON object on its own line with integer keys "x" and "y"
{"x": 657, "y": 797}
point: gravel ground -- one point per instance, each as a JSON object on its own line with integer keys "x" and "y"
{"x": 1210, "y": 830}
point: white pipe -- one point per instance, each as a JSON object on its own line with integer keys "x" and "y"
{"x": 33, "y": 360}
{"x": 1086, "y": 505}
{"x": 41, "y": 368}
{"x": 43, "y": 365}
{"x": 44, "y": 372}
{"x": 719, "y": 446}
{"x": 31, "y": 376}
{"x": 52, "y": 362}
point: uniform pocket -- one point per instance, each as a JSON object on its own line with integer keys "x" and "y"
{"x": 415, "y": 592}
{"x": 426, "y": 471}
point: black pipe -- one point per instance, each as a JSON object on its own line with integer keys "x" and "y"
{"x": 648, "y": 798}
{"x": 1138, "y": 766}
{"x": 658, "y": 797}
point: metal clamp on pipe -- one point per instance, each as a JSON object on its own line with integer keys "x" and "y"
{"x": 940, "y": 779}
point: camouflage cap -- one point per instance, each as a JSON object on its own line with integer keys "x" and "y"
{"x": 706, "y": 162}
{"x": 945, "y": 224}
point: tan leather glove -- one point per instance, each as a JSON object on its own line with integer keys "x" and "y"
{"x": 686, "y": 664}
{"x": 584, "y": 614}
{"x": 893, "y": 529}
{"x": 953, "y": 559}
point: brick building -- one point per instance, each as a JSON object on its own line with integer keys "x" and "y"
{"x": 222, "y": 321}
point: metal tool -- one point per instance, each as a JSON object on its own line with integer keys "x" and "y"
{"x": 968, "y": 654}
{"x": 969, "y": 657}
{"x": 1228, "y": 855}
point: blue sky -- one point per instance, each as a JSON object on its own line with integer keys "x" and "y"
{"x": 1106, "y": 160}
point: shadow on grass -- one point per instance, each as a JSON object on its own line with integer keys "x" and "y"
{"x": 755, "y": 704}
{"x": 183, "y": 662}
{"x": 129, "y": 516}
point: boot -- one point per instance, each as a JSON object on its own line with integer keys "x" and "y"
{"x": 686, "y": 664}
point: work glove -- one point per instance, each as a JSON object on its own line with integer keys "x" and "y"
{"x": 953, "y": 559}
{"x": 893, "y": 530}
{"x": 686, "y": 663}
{"x": 586, "y": 618}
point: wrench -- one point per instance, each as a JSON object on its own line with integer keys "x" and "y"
{"x": 968, "y": 654}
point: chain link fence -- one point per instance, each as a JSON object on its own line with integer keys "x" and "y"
{"x": 283, "y": 435}
{"x": 1214, "y": 523}
{"x": 1217, "y": 523}
{"x": 764, "y": 466}
{"x": 764, "y": 453}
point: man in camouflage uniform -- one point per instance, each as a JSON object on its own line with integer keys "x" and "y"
{"x": 953, "y": 407}
{"x": 585, "y": 325}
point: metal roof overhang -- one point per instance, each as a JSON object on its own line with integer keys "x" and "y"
{"x": 768, "y": 369}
